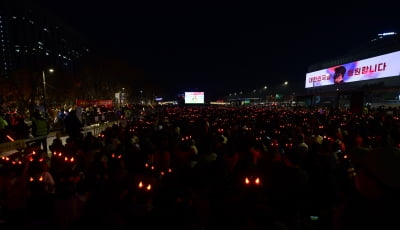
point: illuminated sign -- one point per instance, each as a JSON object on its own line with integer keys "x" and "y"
{"x": 194, "y": 97}
{"x": 100, "y": 103}
{"x": 387, "y": 65}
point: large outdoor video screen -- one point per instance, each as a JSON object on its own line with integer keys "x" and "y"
{"x": 387, "y": 65}
{"x": 194, "y": 97}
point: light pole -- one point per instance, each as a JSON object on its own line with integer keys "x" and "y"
{"x": 280, "y": 90}
{"x": 44, "y": 91}
{"x": 266, "y": 93}
{"x": 141, "y": 96}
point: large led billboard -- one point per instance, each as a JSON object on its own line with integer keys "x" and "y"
{"x": 387, "y": 65}
{"x": 194, "y": 97}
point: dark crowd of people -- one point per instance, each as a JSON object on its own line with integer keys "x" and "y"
{"x": 212, "y": 168}
{"x": 18, "y": 125}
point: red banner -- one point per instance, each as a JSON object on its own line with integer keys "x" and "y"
{"x": 99, "y": 103}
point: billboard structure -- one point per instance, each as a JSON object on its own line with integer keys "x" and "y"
{"x": 387, "y": 65}
{"x": 194, "y": 98}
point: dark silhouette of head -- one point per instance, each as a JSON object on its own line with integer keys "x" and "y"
{"x": 338, "y": 77}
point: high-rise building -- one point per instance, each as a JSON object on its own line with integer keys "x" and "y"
{"x": 380, "y": 44}
{"x": 368, "y": 74}
{"x": 33, "y": 39}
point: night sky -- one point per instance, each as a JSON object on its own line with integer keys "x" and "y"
{"x": 229, "y": 46}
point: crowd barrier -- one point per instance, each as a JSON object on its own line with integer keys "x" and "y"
{"x": 14, "y": 146}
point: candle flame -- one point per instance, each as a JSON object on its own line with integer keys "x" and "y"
{"x": 10, "y": 138}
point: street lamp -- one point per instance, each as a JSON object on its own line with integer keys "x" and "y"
{"x": 284, "y": 91}
{"x": 141, "y": 96}
{"x": 44, "y": 91}
{"x": 266, "y": 94}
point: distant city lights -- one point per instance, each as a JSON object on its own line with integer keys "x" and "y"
{"x": 387, "y": 34}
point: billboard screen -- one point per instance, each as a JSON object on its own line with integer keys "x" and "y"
{"x": 194, "y": 97}
{"x": 387, "y": 65}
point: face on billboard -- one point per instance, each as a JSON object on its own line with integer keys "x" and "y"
{"x": 387, "y": 65}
